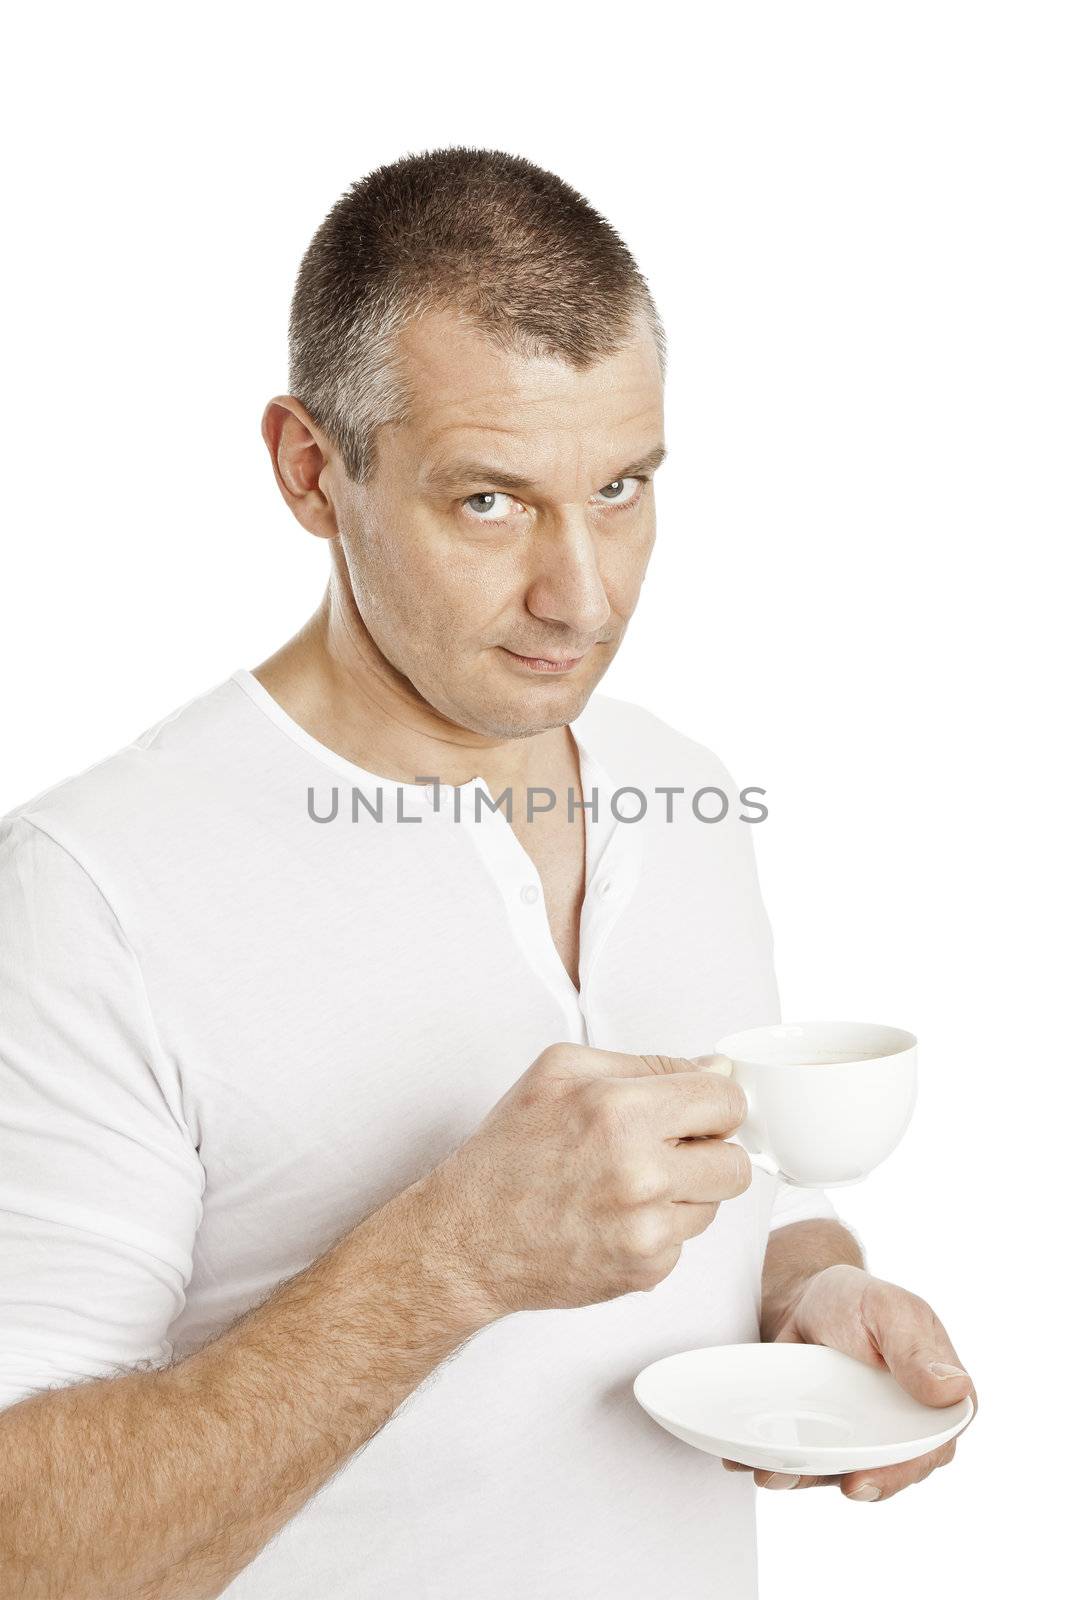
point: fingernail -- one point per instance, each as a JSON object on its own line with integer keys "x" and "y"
{"x": 943, "y": 1369}
{"x": 866, "y": 1491}
{"x": 781, "y": 1480}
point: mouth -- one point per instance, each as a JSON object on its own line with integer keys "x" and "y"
{"x": 546, "y": 664}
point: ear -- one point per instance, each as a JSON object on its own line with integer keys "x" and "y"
{"x": 300, "y": 455}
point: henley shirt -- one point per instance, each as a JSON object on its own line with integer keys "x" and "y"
{"x": 249, "y": 991}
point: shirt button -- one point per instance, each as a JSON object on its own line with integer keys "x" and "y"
{"x": 529, "y": 893}
{"x": 605, "y": 887}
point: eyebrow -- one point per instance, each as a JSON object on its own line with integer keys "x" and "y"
{"x": 460, "y": 473}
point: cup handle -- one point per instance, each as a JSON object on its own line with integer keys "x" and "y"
{"x": 725, "y": 1067}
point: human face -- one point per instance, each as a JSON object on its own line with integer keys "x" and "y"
{"x": 497, "y": 553}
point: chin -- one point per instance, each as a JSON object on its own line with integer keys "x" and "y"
{"x": 535, "y": 713}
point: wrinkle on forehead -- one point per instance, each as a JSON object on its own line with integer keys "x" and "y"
{"x": 449, "y": 365}
{"x": 469, "y": 399}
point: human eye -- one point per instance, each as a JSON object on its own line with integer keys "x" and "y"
{"x": 617, "y": 493}
{"x": 489, "y": 506}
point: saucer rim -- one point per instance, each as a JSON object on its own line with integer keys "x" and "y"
{"x": 815, "y": 1452}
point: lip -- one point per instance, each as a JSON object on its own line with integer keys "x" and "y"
{"x": 551, "y": 665}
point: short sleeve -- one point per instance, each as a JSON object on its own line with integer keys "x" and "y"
{"x": 101, "y": 1185}
{"x": 791, "y": 1203}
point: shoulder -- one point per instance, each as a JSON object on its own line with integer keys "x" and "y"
{"x": 132, "y": 790}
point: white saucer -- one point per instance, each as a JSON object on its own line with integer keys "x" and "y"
{"x": 800, "y": 1408}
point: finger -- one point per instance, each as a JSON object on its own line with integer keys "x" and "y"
{"x": 888, "y": 1481}
{"x": 914, "y": 1344}
{"x": 860, "y": 1485}
{"x": 720, "y": 1064}
{"x": 790, "y": 1480}
{"x": 672, "y": 1105}
{"x": 689, "y": 1220}
{"x": 778, "y": 1480}
{"x": 589, "y": 1061}
{"x": 703, "y": 1171}
{"x": 698, "y": 1103}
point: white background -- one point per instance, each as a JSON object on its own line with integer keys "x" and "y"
{"x": 852, "y": 218}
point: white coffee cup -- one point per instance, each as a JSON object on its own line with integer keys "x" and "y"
{"x": 827, "y": 1101}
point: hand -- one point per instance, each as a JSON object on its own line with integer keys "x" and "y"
{"x": 586, "y": 1178}
{"x": 885, "y": 1326}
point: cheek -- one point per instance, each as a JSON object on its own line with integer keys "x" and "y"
{"x": 407, "y": 575}
{"x": 622, "y": 571}
{"x": 474, "y": 585}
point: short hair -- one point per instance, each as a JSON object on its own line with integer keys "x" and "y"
{"x": 484, "y": 233}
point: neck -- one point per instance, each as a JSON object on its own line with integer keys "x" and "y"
{"x": 332, "y": 679}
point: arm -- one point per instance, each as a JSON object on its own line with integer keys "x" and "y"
{"x": 794, "y": 1254}
{"x": 164, "y": 1485}
{"x": 125, "y": 1475}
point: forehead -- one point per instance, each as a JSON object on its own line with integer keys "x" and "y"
{"x": 535, "y": 414}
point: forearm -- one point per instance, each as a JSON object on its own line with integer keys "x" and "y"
{"x": 794, "y": 1254}
{"x": 164, "y": 1485}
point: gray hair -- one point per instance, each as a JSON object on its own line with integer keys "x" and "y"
{"x": 488, "y": 235}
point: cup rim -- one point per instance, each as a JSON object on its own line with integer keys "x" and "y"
{"x": 898, "y": 1041}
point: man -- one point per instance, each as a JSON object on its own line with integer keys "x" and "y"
{"x": 355, "y": 1096}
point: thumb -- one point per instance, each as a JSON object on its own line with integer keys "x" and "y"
{"x": 589, "y": 1061}
{"x": 564, "y": 1059}
{"x": 921, "y": 1359}
{"x": 595, "y": 1063}
{"x": 932, "y": 1376}
{"x": 720, "y": 1064}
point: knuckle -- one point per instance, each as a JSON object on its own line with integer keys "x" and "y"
{"x": 641, "y": 1185}
{"x": 555, "y": 1057}
{"x": 904, "y": 1304}
{"x": 594, "y": 1101}
{"x": 646, "y": 1236}
{"x": 625, "y": 1097}
{"x": 530, "y": 1092}
{"x": 616, "y": 1114}
{"x": 658, "y": 1268}
{"x": 912, "y": 1350}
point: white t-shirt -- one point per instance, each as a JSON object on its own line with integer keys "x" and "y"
{"x": 229, "y": 1031}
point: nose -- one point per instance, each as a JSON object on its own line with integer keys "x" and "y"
{"x": 568, "y": 588}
